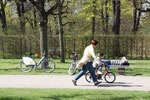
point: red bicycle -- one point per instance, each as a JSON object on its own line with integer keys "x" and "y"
{"x": 109, "y": 77}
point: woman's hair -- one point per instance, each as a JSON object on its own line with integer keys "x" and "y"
{"x": 94, "y": 42}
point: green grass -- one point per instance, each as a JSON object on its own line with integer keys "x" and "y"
{"x": 70, "y": 94}
{"x": 12, "y": 67}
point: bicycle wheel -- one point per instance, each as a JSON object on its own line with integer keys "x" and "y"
{"x": 72, "y": 68}
{"x": 88, "y": 77}
{"x": 25, "y": 68}
{"x": 48, "y": 66}
{"x": 110, "y": 77}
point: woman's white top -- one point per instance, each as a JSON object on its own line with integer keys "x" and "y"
{"x": 89, "y": 55}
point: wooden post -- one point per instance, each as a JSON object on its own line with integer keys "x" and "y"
{"x": 142, "y": 48}
{"x": 121, "y": 71}
{"x": 3, "y": 48}
{"x": 131, "y": 48}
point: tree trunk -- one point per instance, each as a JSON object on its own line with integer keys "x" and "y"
{"x": 134, "y": 19}
{"x": 117, "y": 18}
{"x": 21, "y": 11}
{"x": 93, "y": 28}
{"x": 114, "y": 13}
{"x": 3, "y": 17}
{"x": 35, "y": 18}
{"x": 43, "y": 33}
{"x": 106, "y": 14}
{"x": 116, "y": 27}
{"x": 138, "y": 21}
{"x": 60, "y": 29}
{"x": 102, "y": 17}
{"x": 93, "y": 20}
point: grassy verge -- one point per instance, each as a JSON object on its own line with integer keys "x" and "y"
{"x": 70, "y": 94}
{"x": 12, "y": 67}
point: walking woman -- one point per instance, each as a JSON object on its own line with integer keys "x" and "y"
{"x": 86, "y": 63}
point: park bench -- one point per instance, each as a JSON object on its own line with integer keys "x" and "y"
{"x": 72, "y": 53}
{"x": 121, "y": 68}
{"x": 118, "y": 64}
{"x": 54, "y": 52}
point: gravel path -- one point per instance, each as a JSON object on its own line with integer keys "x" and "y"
{"x": 64, "y": 81}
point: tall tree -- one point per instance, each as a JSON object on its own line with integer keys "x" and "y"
{"x": 93, "y": 19}
{"x": 21, "y": 11}
{"x": 116, "y": 16}
{"x": 140, "y": 6}
{"x": 104, "y": 15}
{"x": 43, "y": 19}
{"x": 116, "y": 26}
{"x": 136, "y": 20}
{"x": 60, "y": 30}
{"x": 2, "y": 14}
{"x": 62, "y": 9}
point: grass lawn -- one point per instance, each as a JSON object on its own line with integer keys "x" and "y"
{"x": 70, "y": 94}
{"x": 12, "y": 67}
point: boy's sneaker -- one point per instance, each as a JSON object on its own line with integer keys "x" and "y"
{"x": 74, "y": 82}
{"x": 96, "y": 83}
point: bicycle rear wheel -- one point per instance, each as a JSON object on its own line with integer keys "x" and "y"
{"x": 72, "y": 68}
{"x": 88, "y": 77}
{"x": 25, "y": 68}
{"x": 110, "y": 77}
{"x": 48, "y": 66}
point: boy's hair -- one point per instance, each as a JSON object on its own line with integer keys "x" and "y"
{"x": 94, "y": 42}
{"x": 100, "y": 54}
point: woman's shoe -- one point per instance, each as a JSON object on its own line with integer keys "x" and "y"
{"x": 96, "y": 83}
{"x": 74, "y": 82}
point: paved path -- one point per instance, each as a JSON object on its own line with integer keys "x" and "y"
{"x": 64, "y": 81}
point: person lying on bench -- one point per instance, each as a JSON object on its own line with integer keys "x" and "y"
{"x": 100, "y": 57}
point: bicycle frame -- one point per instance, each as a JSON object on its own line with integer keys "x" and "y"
{"x": 39, "y": 62}
{"x": 105, "y": 71}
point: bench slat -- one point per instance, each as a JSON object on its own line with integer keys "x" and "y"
{"x": 119, "y": 66}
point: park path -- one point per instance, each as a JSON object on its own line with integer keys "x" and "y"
{"x": 64, "y": 81}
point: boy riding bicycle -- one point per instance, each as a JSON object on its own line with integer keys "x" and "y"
{"x": 106, "y": 63}
{"x": 103, "y": 63}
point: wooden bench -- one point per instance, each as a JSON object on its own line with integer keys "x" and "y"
{"x": 121, "y": 68}
{"x": 71, "y": 54}
{"x": 54, "y": 52}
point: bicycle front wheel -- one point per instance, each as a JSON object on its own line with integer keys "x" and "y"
{"x": 110, "y": 77}
{"x": 48, "y": 66}
{"x": 25, "y": 68}
{"x": 72, "y": 68}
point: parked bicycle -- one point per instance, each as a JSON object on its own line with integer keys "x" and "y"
{"x": 72, "y": 67}
{"x": 109, "y": 77}
{"x": 29, "y": 63}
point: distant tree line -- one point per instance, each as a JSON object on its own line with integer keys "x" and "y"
{"x": 45, "y": 19}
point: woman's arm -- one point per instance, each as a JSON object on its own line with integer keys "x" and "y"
{"x": 94, "y": 56}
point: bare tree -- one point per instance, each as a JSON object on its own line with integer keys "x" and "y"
{"x": 62, "y": 9}
{"x": 140, "y": 6}
{"x": 43, "y": 19}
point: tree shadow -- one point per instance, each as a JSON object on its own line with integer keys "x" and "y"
{"x": 13, "y": 98}
{"x": 115, "y": 84}
{"x": 119, "y": 84}
{"x": 62, "y": 97}
{"x": 10, "y": 69}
